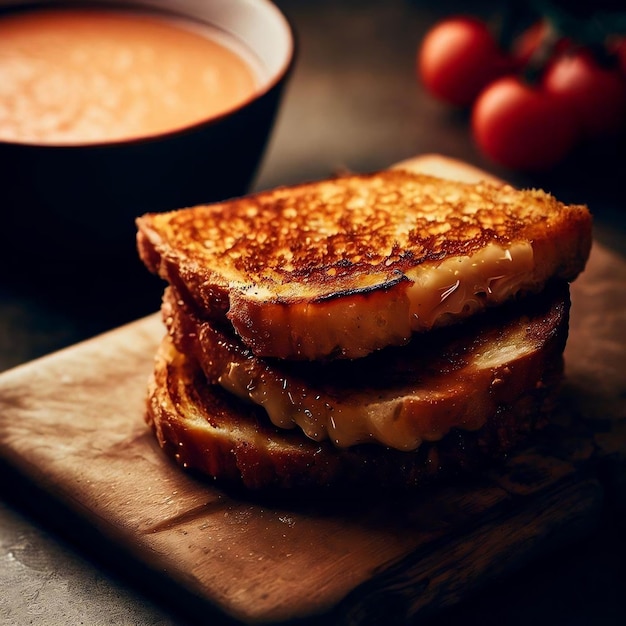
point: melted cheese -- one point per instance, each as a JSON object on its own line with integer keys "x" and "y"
{"x": 460, "y": 286}
{"x": 460, "y": 399}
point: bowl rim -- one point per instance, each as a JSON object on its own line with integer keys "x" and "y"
{"x": 276, "y": 79}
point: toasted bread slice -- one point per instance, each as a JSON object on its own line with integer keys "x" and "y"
{"x": 204, "y": 428}
{"x": 343, "y": 267}
{"x": 398, "y": 397}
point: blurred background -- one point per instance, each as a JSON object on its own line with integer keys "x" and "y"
{"x": 354, "y": 102}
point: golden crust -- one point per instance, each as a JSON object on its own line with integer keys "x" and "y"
{"x": 284, "y": 261}
{"x": 328, "y": 237}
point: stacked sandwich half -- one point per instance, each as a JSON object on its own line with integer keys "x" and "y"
{"x": 379, "y": 329}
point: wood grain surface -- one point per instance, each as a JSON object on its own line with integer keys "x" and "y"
{"x": 72, "y": 423}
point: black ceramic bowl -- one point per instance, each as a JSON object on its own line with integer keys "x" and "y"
{"x": 75, "y": 205}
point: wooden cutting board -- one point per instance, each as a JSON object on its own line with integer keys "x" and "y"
{"x": 72, "y": 424}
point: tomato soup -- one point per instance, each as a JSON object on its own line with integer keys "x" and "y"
{"x": 78, "y": 76}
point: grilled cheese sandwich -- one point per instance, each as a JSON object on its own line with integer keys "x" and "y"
{"x": 389, "y": 327}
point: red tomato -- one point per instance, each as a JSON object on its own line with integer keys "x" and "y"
{"x": 459, "y": 57}
{"x": 521, "y": 127}
{"x": 597, "y": 94}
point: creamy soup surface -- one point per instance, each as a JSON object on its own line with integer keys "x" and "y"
{"x": 74, "y": 76}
